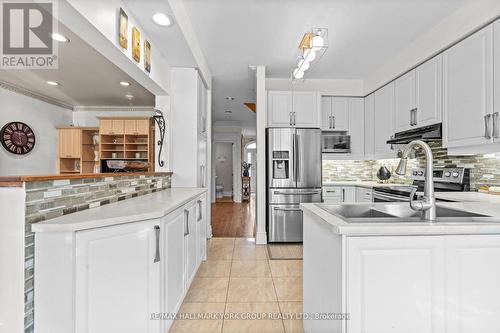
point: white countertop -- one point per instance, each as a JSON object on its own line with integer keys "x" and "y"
{"x": 366, "y": 184}
{"x": 468, "y": 196}
{"x": 340, "y": 226}
{"x": 149, "y": 206}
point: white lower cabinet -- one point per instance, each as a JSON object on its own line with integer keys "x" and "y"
{"x": 119, "y": 278}
{"x": 339, "y": 194}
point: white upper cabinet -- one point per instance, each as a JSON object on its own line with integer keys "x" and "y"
{"x": 293, "y": 109}
{"x": 305, "y": 109}
{"x": 384, "y": 121}
{"x": 326, "y": 113}
{"x": 369, "y": 125}
{"x": 335, "y": 113}
{"x": 468, "y": 91}
{"x": 356, "y": 127}
{"x": 429, "y": 92}
{"x": 404, "y": 102}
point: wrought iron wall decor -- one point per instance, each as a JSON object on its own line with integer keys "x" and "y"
{"x": 160, "y": 121}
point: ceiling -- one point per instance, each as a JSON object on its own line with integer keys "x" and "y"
{"x": 169, "y": 40}
{"x": 86, "y": 78}
{"x": 363, "y": 34}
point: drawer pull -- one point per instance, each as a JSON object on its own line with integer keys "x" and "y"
{"x": 157, "y": 238}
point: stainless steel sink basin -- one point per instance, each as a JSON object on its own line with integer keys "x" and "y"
{"x": 398, "y": 212}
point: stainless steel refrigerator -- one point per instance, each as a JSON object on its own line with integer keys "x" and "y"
{"x": 293, "y": 177}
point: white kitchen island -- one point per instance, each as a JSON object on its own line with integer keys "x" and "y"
{"x": 412, "y": 277}
{"x": 122, "y": 267}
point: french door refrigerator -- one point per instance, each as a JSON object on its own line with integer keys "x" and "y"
{"x": 293, "y": 177}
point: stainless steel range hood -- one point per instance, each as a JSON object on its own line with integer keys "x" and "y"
{"x": 427, "y": 133}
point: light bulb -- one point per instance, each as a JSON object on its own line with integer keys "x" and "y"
{"x": 309, "y": 55}
{"x": 303, "y": 65}
{"x": 298, "y": 74}
{"x": 317, "y": 43}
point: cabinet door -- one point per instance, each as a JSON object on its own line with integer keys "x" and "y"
{"x": 349, "y": 194}
{"x": 356, "y": 127}
{"x": 364, "y": 194}
{"x": 340, "y": 113}
{"x": 395, "y": 284}
{"x": 384, "y": 126}
{"x": 118, "y": 282}
{"x": 142, "y": 126}
{"x": 105, "y": 126}
{"x": 130, "y": 126}
{"x": 326, "y": 113}
{"x": 279, "y": 111}
{"x": 201, "y": 229}
{"x": 190, "y": 245}
{"x": 369, "y": 125}
{"x": 404, "y": 101}
{"x": 173, "y": 246}
{"x": 118, "y": 126}
{"x": 468, "y": 89}
{"x": 70, "y": 143}
{"x": 429, "y": 92}
{"x": 305, "y": 108}
{"x": 472, "y": 288}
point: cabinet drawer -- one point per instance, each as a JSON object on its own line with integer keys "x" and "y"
{"x": 332, "y": 191}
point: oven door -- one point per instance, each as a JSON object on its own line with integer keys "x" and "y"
{"x": 285, "y": 223}
{"x": 387, "y": 197}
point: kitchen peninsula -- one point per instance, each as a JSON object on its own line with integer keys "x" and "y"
{"x": 385, "y": 270}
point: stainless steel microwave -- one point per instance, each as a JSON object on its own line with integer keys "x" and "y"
{"x": 335, "y": 142}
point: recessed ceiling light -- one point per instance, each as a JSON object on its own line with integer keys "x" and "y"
{"x": 229, "y": 98}
{"x": 228, "y": 112}
{"x": 125, "y": 83}
{"x": 129, "y": 97}
{"x": 162, "y": 19}
{"x": 53, "y": 83}
{"x": 60, "y": 38}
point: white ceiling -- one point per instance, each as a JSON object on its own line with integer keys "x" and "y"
{"x": 87, "y": 78}
{"x": 169, "y": 40}
{"x": 363, "y": 34}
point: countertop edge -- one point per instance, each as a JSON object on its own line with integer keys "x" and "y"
{"x": 6, "y": 180}
{"x": 54, "y": 225}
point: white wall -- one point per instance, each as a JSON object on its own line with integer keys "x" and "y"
{"x": 324, "y": 86}
{"x": 43, "y": 118}
{"x": 224, "y": 166}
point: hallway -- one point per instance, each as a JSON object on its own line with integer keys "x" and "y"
{"x": 230, "y": 219}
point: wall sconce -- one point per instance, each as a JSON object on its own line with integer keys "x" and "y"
{"x": 312, "y": 47}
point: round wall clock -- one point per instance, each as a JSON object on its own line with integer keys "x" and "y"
{"x": 17, "y": 137}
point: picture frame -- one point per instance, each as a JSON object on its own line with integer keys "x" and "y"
{"x": 136, "y": 44}
{"x": 123, "y": 29}
{"x": 147, "y": 56}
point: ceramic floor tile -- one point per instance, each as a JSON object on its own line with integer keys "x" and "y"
{"x": 220, "y": 253}
{"x": 214, "y": 268}
{"x": 258, "y": 252}
{"x": 250, "y": 268}
{"x": 252, "y": 317}
{"x": 292, "y": 316}
{"x": 288, "y": 288}
{"x": 221, "y": 242}
{"x": 239, "y": 242}
{"x": 207, "y": 290}
{"x": 286, "y": 268}
{"x": 251, "y": 290}
{"x": 199, "y": 317}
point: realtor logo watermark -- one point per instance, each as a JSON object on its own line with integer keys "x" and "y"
{"x": 27, "y": 28}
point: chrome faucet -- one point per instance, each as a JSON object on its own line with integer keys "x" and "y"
{"x": 428, "y": 202}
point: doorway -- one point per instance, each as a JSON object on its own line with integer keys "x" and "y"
{"x": 250, "y": 156}
{"x": 224, "y": 185}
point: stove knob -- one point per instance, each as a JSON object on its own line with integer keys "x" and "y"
{"x": 455, "y": 174}
{"x": 447, "y": 174}
{"x": 420, "y": 173}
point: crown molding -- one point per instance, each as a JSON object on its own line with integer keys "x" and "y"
{"x": 23, "y": 91}
{"x": 113, "y": 108}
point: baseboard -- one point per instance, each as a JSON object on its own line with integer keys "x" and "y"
{"x": 261, "y": 238}
{"x": 228, "y": 194}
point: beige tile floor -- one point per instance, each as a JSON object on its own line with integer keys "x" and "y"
{"x": 241, "y": 290}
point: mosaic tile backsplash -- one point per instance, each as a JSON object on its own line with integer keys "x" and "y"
{"x": 485, "y": 168}
{"x": 49, "y": 199}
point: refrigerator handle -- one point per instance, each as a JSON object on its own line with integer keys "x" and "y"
{"x": 296, "y": 155}
{"x": 294, "y": 169}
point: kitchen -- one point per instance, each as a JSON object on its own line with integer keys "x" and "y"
{"x": 374, "y": 202}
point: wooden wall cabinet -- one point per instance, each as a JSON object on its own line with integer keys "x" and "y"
{"x": 77, "y": 150}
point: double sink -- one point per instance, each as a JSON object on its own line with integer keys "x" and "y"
{"x": 398, "y": 213}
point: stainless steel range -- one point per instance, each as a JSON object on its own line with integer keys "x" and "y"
{"x": 445, "y": 179}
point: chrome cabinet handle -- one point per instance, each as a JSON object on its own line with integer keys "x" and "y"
{"x": 288, "y": 209}
{"x": 333, "y": 122}
{"x": 487, "y": 133}
{"x": 296, "y": 193}
{"x": 496, "y": 129}
{"x": 186, "y": 221}
{"x": 200, "y": 216}
{"x": 157, "y": 238}
{"x": 343, "y": 195}
{"x": 290, "y": 119}
{"x": 293, "y": 118}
